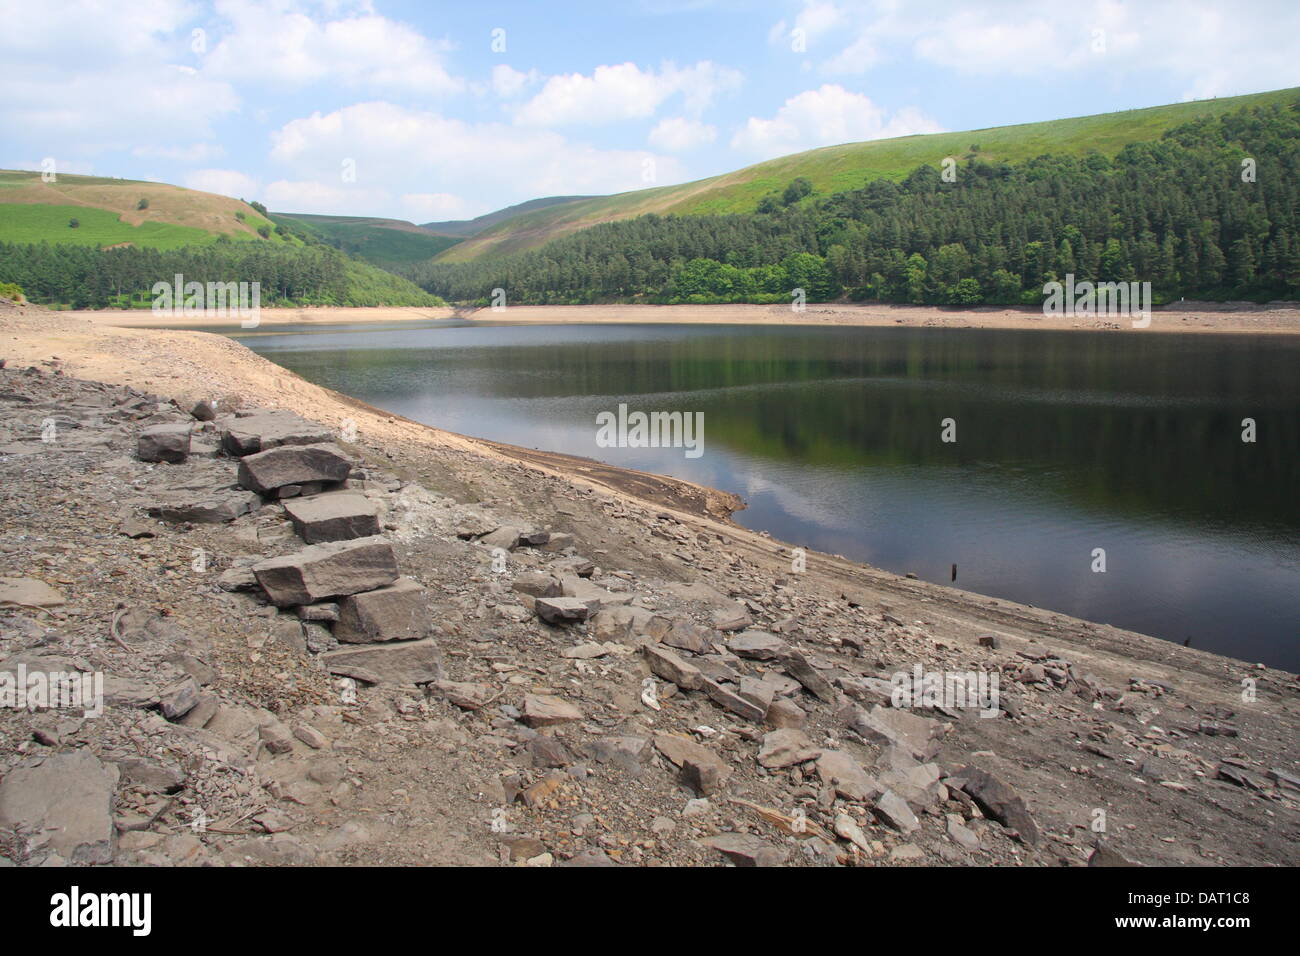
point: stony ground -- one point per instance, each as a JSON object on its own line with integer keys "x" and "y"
{"x": 587, "y": 679}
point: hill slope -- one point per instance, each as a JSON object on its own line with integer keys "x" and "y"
{"x": 387, "y": 243}
{"x": 472, "y": 227}
{"x": 109, "y": 212}
{"x": 839, "y": 168}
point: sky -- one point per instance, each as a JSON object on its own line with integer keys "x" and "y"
{"x": 432, "y": 111}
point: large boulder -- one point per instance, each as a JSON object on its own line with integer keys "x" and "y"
{"x": 271, "y": 429}
{"x": 399, "y": 612}
{"x": 266, "y": 471}
{"x": 329, "y": 570}
{"x": 338, "y": 516}
{"x": 65, "y": 802}
{"x": 407, "y": 662}
{"x": 169, "y": 443}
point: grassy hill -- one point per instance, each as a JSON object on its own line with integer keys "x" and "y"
{"x": 462, "y": 228}
{"x": 838, "y": 168}
{"x": 387, "y": 243}
{"x": 109, "y": 212}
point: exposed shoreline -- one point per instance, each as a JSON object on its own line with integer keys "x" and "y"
{"x": 1156, "y": 773}
{"x": 1233, "y": 318}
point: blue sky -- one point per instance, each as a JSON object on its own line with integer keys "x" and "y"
{"x": 423, "y": 111}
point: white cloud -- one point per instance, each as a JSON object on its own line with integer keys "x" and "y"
{"x": 283, "y": 44}
{"x": 825, "y": 117}
{"x": 435, "y": 207}
{"x": 193, "y": 153}
{"x": 225, "y": 182}
{"x": 508, "y": 82}
{"x": 623, "y": 92}
{"x": 678, "y": 134}
{"x": 400, "y": 151}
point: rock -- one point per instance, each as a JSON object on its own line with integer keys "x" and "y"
{"x": 545, "y": 710}
{"x": 329, "y": 570}
{"x": 733, "y": 702}
{"x": 338, "y": 516}
{"x": 760, "y": 693}
{"x": 204, "y": 411}
{"x": 324, "y": 611}
{"x": 785, "y": 748}
{"x": 734, "y": 618}
{"x": 558, "y": 541}
{"x": 312, "y": 737}
{"x": 702, "y": 769}
{"x": 906, "y": 851}
{"x": 275, "y": 737}
{"x": 1103, "y": 854}
{"x": 237, "y": 579}
{"x": 466, "y": 695}
{"x": 575, "y": 565}
{"x": 150, "y": 774}
{"x": 846, "y": 828}
{"x": 169, "y": 443}
{"x": 562, "y": 610}
{"x": 626, "y": 752}
{"x": 179, "y": 699}
{"x": 961, "y": 834}
{"x": 274, "y": 468}
{"x": 997, "y": 800}
{"x": 798, "y": 667}
{"x": 746, "y": 849}
{"x": 893, "y": 810}
{"x": 757, "y": 645}
{"x": 271, "y": 429}
{"x": 892, "y": 727}
{"x": 65, "y": 803}
{"x": 841, "y": 771}
{"x": 29, "y": 592}
{"x": 685, "y": 636}
{"x": 593, "y": 857}
{"x": 398, "y": 612}
{"x": 537, "y": 584}
{"x": 503, "y": 537}
{"x": 786, "y": 713}
{"x": 664, "y": 663}
{"x": 405, "y": 662}
{"x": 205, "y": 506}
{"x": 548, "y": 752}
{"x": 135, "y": 528}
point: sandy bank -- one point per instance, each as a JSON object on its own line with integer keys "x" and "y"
{"x": 1185, "y": 317}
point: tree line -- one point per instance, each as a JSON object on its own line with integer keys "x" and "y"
{"x": 1209, "y": 210}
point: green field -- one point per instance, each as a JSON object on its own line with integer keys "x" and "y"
{"x": 838, "y": 168}
{"x": 24, "y": 222}
{"x": 387, "y": 243}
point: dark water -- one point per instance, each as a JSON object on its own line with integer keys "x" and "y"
{"x": 1066, "y": 442}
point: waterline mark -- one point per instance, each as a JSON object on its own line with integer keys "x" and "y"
{"x": 651, "y": 430}
{"x": 950, "y": 690}
{"x": 1099, "y": 298}
{"x": 215, "y": 300}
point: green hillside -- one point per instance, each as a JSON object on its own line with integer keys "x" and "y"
{"x": 463, "y": 228}
{"x": 839, "y": 168}
{"x": 387, "y": 243}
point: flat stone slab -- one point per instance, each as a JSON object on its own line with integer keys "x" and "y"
{"x": 271, "y": 429}
{"x": 65, "y": 803}
{"x": 266, "y": 471}
{"x": 331, "y": 570}
{"x": 338, "y": 516}
{"x": 545, "y": 710}
{"x": 406, "y": 662}
{"x": 399, "y": 612}
{"x": 757, "y": 645}
{"x": 562, "y": 610}
{"x": 30, "y": 592}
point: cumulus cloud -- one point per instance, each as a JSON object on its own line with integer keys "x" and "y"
{"x": 623, "y": 92}
{"x": 825, "y": 117}
{"x": 225, "y": 182}
{"x": 678, "y": 134}
{"x": 399, "y": 151}
{"x": 508, "y": 82}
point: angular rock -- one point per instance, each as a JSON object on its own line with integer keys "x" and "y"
{"x": 786, "y": 713}
{"x": 733, "y": 702}
{"x": 503, "y": 537}
{"x": 627, "y": 752}
{"x": 893, "y": 810}
{"x": 340, "y": 516}
{"x": 65, "y": 803}
{"x": 406, "y": 662}
{"x": 274, "y": 468}
{"x": 209, "y": 506}
{"x": 562, "y": 610}
{"x": 733, "y": 618}
{"x": 664, "y": 663}
{"x": 399, "y": 612}
{"x": 757, "y": 645}
{"x": 785, "y": 748}
{"x": 997, "y": 800}
{"x": 702, "y": 769}
{"x": 536, "y": 583}
{"x": 271, "y": 429}
{"x": 799, "y": 667}
{"x": 169, "y": 443}
{"x": 29, "y": 592}
{"x": 329, "y": 570}
{"x": 466, "y": 695}
{"x": 746, "y": 849}
{"x": 892, "y": 727}
{"x": 546, "y": 710}
{"x": 840, "y": 771}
